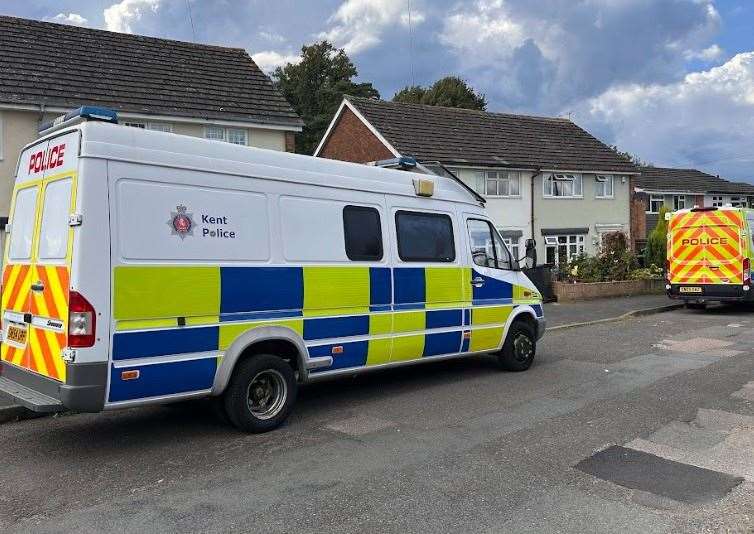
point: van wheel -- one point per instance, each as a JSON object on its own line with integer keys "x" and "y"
{"x": 519, "y": 348}
{"x": 261, "y": 393}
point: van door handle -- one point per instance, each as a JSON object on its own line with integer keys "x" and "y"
{"x": 477, "y": 282}
{"x": 38, "y": 286}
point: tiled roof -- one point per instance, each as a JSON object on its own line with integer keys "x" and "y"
{"x": 688, "y": 180}
{"x": 68, "y": 66}
{"x": 468, "y": 137}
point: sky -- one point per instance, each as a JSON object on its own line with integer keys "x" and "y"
{"x": 671, "y": 81}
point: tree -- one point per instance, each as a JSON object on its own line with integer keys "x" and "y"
{"x": 657, "y": 242}
{"x": 315, "y": 87}
{"x": 628, "y": 156}
{"x": 450, "y": 92}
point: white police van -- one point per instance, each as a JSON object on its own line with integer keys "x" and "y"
{"x": 144, "y": 267}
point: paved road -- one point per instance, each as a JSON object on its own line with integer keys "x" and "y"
{"x": 445, "y": 447}
{"x": 558, "y": 313}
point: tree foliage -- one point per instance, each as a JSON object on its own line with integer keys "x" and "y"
{"x": 315, "y": 87}
{"x": 630, "y": 157}
{"x": 615, "y": 261}
{"x": 657, "y": 242}
{"x": 450, "y": 92}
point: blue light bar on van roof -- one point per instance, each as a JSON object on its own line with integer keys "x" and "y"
{"x": 402, "y": 163}
{"x": 92, "y": 113}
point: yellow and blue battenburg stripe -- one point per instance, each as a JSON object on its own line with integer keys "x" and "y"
{"x": 173, "y": 324}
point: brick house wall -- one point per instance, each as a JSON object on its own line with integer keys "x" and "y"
{"x": 351, "y": 140}
{"x": 637, "y": 213}
{"x": 290, "y": 142}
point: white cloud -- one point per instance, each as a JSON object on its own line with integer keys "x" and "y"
{"x": 709, "y": 54}
{"x": 704, "y": 120}
{"x": 74, "y": 19}
{"x": 120, "y": 17}
{"x": 359, "y": 24}
{"x": 483, "y": 33}
{"x": 269, "y": 59}
{"x": 549, "y": 53}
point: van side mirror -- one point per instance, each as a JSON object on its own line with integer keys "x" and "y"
{"x": 530, "y": 260}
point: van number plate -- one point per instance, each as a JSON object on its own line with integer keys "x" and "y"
{"x": 691, "y": 289}
{"x": 16, "y": 334}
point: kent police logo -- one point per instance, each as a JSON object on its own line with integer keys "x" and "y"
{"x": 181, "y": 222}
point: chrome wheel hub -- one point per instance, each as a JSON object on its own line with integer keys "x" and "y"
{"x": 266, "y": 394}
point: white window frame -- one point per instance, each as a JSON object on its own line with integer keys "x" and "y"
{"x": 480, "y": 177}
{"x": 512, "y": 244}
{"x": 739, "y": 202}
{"x": 718, "y": 201}
{"x": 655, "y": 198}
{"x": 605, "y": 182}
{"x": 226, "y": 134}
{"x": 679, "y": 202}
{"x": 575, "y": 241}
{"x": 549, "y": 188}
{"x": 160, "y": 127}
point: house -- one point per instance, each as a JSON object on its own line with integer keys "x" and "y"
{"x": 678, "y": 189}
{"x": 542, "y": 178}
{"x": 206, "y": 91}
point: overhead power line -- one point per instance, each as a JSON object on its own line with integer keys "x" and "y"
{"x": 191, "y": 19}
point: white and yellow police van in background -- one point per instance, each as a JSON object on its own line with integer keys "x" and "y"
{"x": 144, "y": 267}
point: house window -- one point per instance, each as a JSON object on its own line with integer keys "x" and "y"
{"x": 512, "y": 244}
{"x": 495, "y": 183}
{"x": 156, "y": 126}
{"x": 655, "y": 203}
{"x": 717, "y": 202}
{"x": 679, "y": 202}
{"x": 160, "y": 127}
{"x": 236, "y": 136}
{"x": 562, "y": 185}
{"x": 363, "y": 233}
{"x": 563, "y": 248}
{"x": 603, "y": 186}
{"x": 738, "y": 202}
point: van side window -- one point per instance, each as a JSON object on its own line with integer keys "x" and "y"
{"x": 425, "y": 237}
{"x": 22, "y": 225}
{"x": 363, "y": 233}
{"x": 487, "y": 247}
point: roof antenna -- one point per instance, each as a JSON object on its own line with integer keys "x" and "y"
{"x": 410, "y": 44}
{"x": 191, "y": 19}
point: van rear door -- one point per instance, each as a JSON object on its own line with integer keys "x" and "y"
{"x": 37, "y": 263}
{"x": 707, "y": 248}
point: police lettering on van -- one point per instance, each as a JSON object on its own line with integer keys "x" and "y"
{"x": 276, "y": 269}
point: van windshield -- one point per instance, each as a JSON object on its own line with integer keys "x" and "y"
{"x": 22, "y": 225}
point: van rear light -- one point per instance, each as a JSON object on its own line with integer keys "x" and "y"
{"x": 81, "y": 321}
{"x": 747, "y": 272}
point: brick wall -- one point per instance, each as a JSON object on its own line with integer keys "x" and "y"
{"x": 638, "y": 208}
{"x": 351, "y": 140}
{"x": 290, "y": 142}
{"x": 565, "y": 291}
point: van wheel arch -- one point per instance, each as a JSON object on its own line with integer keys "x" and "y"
{"x": 279, "y": 341}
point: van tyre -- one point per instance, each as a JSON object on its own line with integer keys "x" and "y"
{"x": 261, "y": 393}
{"x": 519, "y": 348}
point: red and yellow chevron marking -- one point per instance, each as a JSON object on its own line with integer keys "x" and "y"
{"x": 43, "y": 347}
{"x": 706, "y": 248}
